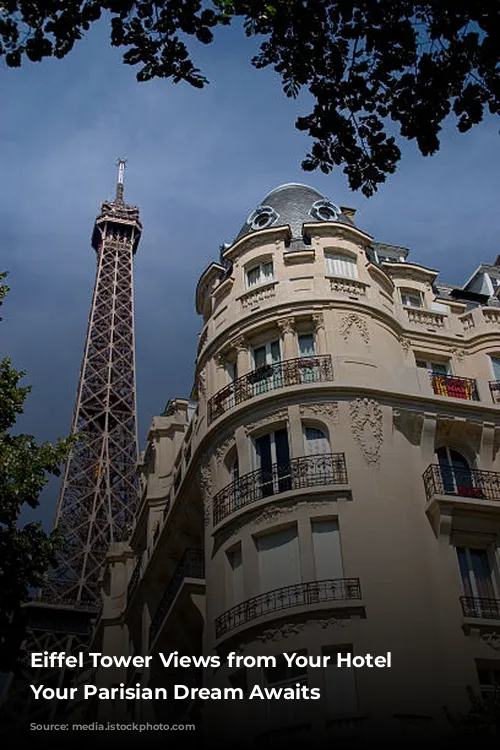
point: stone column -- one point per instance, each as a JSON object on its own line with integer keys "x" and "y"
{"x": 287, "y": 329}
{"x": 242, "y": 357}
{"x": 319, "y": 329}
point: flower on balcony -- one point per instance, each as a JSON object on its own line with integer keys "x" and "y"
{"x": 470, "y": 492}
{"x": 261, "y": 373}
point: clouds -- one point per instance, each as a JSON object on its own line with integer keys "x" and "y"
{"x": 198, "y": 162}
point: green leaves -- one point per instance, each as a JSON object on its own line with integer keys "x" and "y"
{"x": 26, "y": 552}
{"x": 378, "y": 71}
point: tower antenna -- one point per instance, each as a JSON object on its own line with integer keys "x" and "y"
{"x": 119, "y": 185}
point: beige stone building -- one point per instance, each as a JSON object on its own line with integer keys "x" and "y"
{"x": 332, "y": 487}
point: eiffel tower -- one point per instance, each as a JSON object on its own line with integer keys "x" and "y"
{"x": 99, "y": 491}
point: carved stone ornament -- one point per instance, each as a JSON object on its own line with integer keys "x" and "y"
{"x": 459, "y": 353}
{"x": 202, "y": 382}
{"x": 276, "y": 416}
{"x": 205, "y": 482}
{"x": 409, "y": 423}
{"x": 329, "y": 409}
{"x": 286, "y": 325}
{"x": 492, "y": 639}
{"x": 273, "y": 512}
{"x": 280, "y": 634}
{"x": 367, "y": 428}
{"x": 405, "y": 344}
{"x": 319, "y": 321}
{"x": 222, "y": 450}
{"x": 332, "y": 622}
{"x": 239, "y": 344}
{"x": 348, "y": 322}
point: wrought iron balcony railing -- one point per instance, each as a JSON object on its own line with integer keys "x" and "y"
{"x": 299, "y": 595}
{"x": 134, "y": 579}
{"x": 454, "y": 387}
{"x": 296, "y": 474}
{"x": 473, "y": 483}
{"x": 191, "y": 565}
{"x": 495, "y": 391}
{"x": 269, "y": 378}
{"x": 472, "y": 606}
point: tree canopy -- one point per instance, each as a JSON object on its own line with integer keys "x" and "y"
{"x": 26, "y": 551}
{"x": 378, "y": 71}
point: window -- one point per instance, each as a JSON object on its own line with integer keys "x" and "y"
{"x": 341, "y": 265}
{"x": 283, "y": 676}
{"x": 456, "y": 476}
{"x": 340, "y": 684}
{"x": 267, "y": 374}
{"x": 279, "y": 562}
{"x": 272, "y": 456}
{"x": 476, "y": 573}
{"x": 260, "y": 274}
{"x": 315, "y": 441}
{"x": 235, "y": 587}
{"x": 309, "y": 366}
{"x": 232, "y": 372}
{"x": 489, "y": 680}
{"x": 235, "y": 477}
{"x": 495, "y": 366}
{"x": 327, "y": 552}
{"x": 440, "y": 368}
{"x": 411, "y": 298}
{"x": 307, "y": 346}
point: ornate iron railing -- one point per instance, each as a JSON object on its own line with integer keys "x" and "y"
{"x": 454, "y": 387}
{"x": 269, "y": 378}
{"x": 473, "y": 483}
{"x": 296, "y": 474}
{"x": 495, "y": 391}
{"x": 488, "y": 609}
{"x": 134, "y": 579}
{"x": 191, "y": 565}
{"x": 299, "y": 595}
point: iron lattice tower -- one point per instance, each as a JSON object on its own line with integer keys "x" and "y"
{"x": 99, "y": 491}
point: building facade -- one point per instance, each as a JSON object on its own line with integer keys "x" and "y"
{"x": 332, "y": 486}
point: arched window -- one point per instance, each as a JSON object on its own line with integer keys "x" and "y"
{"x": 456, "y": 474}
{"x": 315, "y": 441}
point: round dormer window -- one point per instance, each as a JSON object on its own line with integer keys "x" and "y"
{"x": 325, "y": 211}
{"x": 262, "y": 217}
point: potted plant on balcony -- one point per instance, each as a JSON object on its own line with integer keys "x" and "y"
{"x": 261, "y": 373}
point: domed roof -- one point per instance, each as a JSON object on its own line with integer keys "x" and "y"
{"x": 292, "y": 204}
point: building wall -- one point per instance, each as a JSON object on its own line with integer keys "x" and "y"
{"x": 383, "y": 418}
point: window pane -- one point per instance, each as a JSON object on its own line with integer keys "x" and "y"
{"x": 259, "y": 356}
{"x": 341, "y": 265}
{"x": 495, "y": 361}
{"x": 267, "y": 270}
{"x": 253, "y": 276}
{"x": 306, "y": 345}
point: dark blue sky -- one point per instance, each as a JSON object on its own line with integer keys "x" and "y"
{"x": 198, "y": 162}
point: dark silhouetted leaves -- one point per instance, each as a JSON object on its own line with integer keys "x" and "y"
{"x": 374, "y": 68}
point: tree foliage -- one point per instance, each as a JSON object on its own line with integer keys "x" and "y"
{"x": 26, "y": 552}
{"x": 482, "y": 721}
{"x": 376, "y": 69}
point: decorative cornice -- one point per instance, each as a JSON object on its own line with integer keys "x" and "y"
{"x": 329, "y": 409}
{"x": 276, "y": 416}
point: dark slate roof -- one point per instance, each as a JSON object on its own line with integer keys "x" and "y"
{"x": 291, "y": 205}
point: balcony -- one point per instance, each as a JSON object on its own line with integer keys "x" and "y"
{"x": 191, "y": 566}
{"x": 321, "y": 470}
{"x": 300, "y": 371}
{"x": 454, "y": 387}
{"x": 479, "y": 608}
{"x": 495, "y": 391}
{"x": 471, "y": 492}
{"x": 309, "y": 594}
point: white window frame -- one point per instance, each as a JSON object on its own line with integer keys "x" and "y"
{"x": 347, "y": 265}
{"x": 494, "y": 358}
{"x": 429, "y": 365}
{"x": 409, "y": 293}
{"x": 265, "y": 274}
